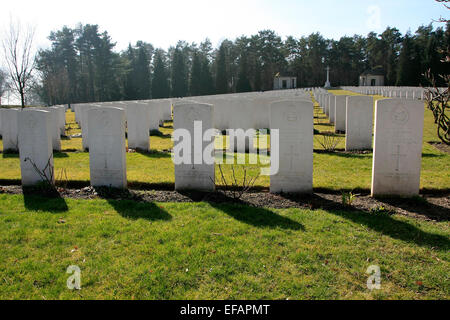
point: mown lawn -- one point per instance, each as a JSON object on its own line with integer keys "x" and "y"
{"x": 332, "y": 171}
{"x": 129, "y": 250}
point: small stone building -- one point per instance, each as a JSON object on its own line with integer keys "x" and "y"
{"x": 284, "y": 82}
{"x": 372, "y": 78}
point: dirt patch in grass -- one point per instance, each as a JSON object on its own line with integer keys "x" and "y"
{"x": 441, "y": 146}
{"x": 425, "y": 207}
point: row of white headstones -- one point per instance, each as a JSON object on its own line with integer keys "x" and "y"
{"x": 397, "y": 143}
{"x": 9, "y": 126}
{"x": 398, "y": 134}
{"x": 414, "y": 93}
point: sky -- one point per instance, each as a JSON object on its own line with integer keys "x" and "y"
{"x": 163, "y": 23}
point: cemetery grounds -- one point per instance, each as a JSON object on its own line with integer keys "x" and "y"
{"x": 153, "y": 243}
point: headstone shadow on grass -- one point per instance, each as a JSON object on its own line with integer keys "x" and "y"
{"x": 345, "y": 154}
{"x": 10, "y": 155}
{"x": 155, "y": 154}
{"x": 15, "y": 155}
{"x": 420, "y": 206}
{"x": 432, "y": 155}
{"x": 385, "y": 224}
{"x": 44, "y": 201}
{"x": 144, "y": 210}
{"x": 257, "y": 217}
{"x": 135, "y": 208}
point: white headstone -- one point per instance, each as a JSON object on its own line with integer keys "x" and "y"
{"x": 9, "y": 120}
{"x": 55, "y": 115}
{"x": 295, "y": 122}
{"x": 83, "y": 110}
{"x": 138, "y": 126}
{"x": 62, "y": 120}
{"x": 327, "y": 105}
{"x": 398, "y": 147}
{"x": 35, "y": 146}
{"x": 260, "y": 112}
{"x": 154, "y": 114}
{"x": 332, "y": 113}
{"x": 195, "y": 175}
{"x": 167, "y": 110}
{"x": 340, "y": 113}
{"x": 241, "y": 141}
{"x": 359, "y": 123}
{"x": 107, "y": 154}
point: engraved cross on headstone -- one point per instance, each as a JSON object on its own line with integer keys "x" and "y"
{"x": 398, "y": 155}
{"x": 291, "y": 155}
{"x": 104, "y": 153}
{"x": 193, "y": 157}
{"x": 360, "y": 129}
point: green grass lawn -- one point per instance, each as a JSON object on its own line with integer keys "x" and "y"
{"x": 129, "y": 250}
{"x": 332, "y": 171}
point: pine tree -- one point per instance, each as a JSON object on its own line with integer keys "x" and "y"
{"x": 257, "y": 79}
{"x": 221, "y": 74}
{"x": 195, "y": 84}
{"x": 130, "y": 89}
{"x": 408, "y": 66}
{"x": 179, "y": 75}
{"x": 160, "y": 83}
{"x": 243, "y": 84}
{"x": 142, "y": 74}
{"x": 207, "y": 83}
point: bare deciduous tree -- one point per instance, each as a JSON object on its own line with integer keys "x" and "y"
{"x": 444, "y": 2}
{"x": 3, "y": 82}
{"x": 19, "y": 57}
{"x": 438, "y": 102}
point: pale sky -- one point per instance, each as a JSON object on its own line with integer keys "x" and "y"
{"x": 163, "y": 23}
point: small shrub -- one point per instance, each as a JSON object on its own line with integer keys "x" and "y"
{"x": 328, "y": 140}
{"x": 348, "y": 198}
{"x": 236, "y": 189}
{"x": 46, "y": 174}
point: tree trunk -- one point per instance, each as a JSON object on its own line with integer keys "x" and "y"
{"x": 22, "y": 97}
